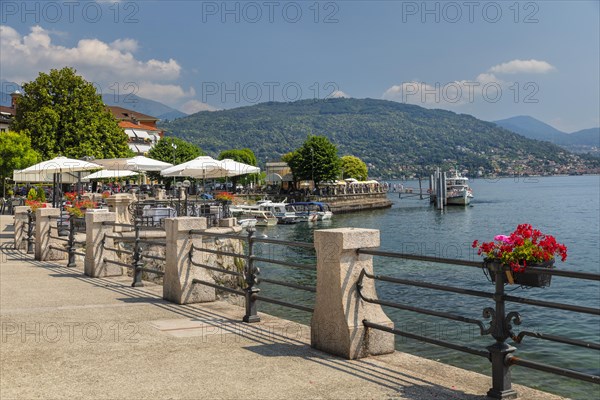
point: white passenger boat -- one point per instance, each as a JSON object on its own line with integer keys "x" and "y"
{"x": 284, "y": 215}
{"x": 246, "y": 212}
{"x": 458, "y": 191}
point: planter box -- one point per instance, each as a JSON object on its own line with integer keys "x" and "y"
{"x": 529, "y": 279}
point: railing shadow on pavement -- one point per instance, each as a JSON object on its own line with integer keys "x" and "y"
{"x": 262, "y": 339}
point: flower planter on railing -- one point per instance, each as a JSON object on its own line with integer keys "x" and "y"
{"x": 525, "y": 278}
{"x": 514, "y": 254}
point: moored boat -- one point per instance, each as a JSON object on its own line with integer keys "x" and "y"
{"x": 262, "y": 217}
{"x": 279, "y": 210}
{"x": 312, "y": 210}
{"x": 458, "y": 191}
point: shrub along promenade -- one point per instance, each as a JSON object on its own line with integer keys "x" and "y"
{"x": 78, "y": 332}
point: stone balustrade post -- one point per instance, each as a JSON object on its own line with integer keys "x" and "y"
{"x": 21, "y": 227}
{"x": 337, "y": 322}
{"x": 95, "y": 232}
{"x": 119, "y": 204}
{"x": 179, "y": 271}
{"x": 43, "y": 221}
{"x": 228, "y": 222}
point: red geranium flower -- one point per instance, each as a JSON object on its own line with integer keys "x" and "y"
{"x": 525, "y": 246}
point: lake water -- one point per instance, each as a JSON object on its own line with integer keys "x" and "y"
{"x": 566, "y": 207}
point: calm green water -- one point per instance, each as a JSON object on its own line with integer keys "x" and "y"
{"x": 567, "y": 207}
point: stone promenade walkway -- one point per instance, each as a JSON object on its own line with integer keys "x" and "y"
{"x": 65, "y": 335}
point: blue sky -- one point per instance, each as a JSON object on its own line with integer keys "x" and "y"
{"x": 489, "y": 59}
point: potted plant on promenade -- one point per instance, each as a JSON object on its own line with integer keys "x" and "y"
{"x": 77, "y": 211}
{"x": 70, "y": 196}
{"x": 225, "y": 199}
{"x": 35, "y": 199}
{"x": 34, "y": 205}
{"x": 514, "y": 254}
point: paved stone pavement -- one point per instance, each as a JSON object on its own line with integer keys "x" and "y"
{"x": 65, "y": 335}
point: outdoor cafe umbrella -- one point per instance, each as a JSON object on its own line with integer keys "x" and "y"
{"x": 109, "y": 174}
{"x": 37, "y": 177}
{"x": 234, "y": 168}
{"x": 137, "y": 163}
{"x": 204, "y": 167}
{"x": 58, "y": 166}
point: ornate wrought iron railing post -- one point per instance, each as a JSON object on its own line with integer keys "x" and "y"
{"x": 29, "y": 232}
{"x": 186, "y": 201}
{"x": 71, "y": 243}
{"x": 137, "y": 259}
{"x": 501, "y": 330}
{"x": 226, "y": 210}
{"x": 250, "y": 276}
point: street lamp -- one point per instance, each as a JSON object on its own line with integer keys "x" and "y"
{"x": 174, "y": 146}
{"x": 186, "y": 184}
{"x": 177, "y": 187}
{"x": 312, "y": 164}
{"x": 79, "y": 184}
{"x": 6, "y": 178}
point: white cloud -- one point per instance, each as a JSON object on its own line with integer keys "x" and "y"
{"x": 130, "y": 45}
{"x": 522, "y": 66}
{"x": 25, "y": 56}
{"x": 485, "y": 87}
{"x": 337, "y": 94}
{"x": 487, "y": 78}
{"x": 436, "y": 94}
{"x": 194, "y": 106}
{"x": 166, "y": 93}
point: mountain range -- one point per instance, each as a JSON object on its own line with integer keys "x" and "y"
{"x": 391, "y": 137}
{"x": 405, "y": 134}
{"x": 142, "y": 105}
{"x": 583, "y": 141}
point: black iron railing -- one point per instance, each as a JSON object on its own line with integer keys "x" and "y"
{"x": 144, "y": 212}
{"x": 30, "y": 231}
{"x": 500, "y": 326}
{"x": 71, "y": 241}
{"x": 250, "y": 287}
{"x": 137, "y": 264}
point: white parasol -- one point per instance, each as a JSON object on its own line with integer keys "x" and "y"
{"x": 109, "y": 174}
{"x": 202, "y": 167}
{"x": 138, "y": 163}
{"x": 235, "y": 168}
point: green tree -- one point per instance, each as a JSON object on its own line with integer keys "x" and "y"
{"x": 63, "y": 115}
{"x": 354, "y": 167}
{"x": 287, "y": 157}
{"x": 316, "y": 160}
{"x": 15, "y": 153}
{"x": 245, "y": 156}
{"x": 181, "y": 152}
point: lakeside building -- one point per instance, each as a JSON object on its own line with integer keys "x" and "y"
{"x": 140, "y": 129}
{"x": 8, "y": 113}
{"x": 279, "y": 173}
